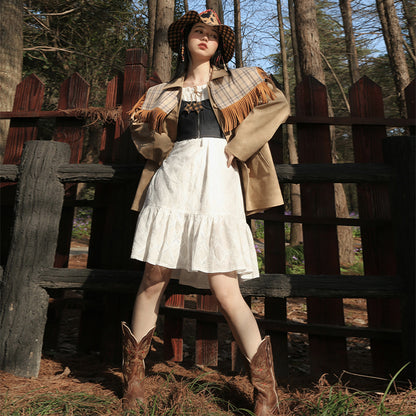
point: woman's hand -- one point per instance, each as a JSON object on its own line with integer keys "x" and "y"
{"x": 230, "y": 157}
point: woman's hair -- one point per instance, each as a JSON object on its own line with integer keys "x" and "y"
{"x": 182, "y": 62}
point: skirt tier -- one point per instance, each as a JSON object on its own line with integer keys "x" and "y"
{"x": 193, "y": 217}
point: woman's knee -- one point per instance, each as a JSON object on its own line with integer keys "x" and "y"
{"x": 154, "y": 278}
{"x": 226, "y": 290}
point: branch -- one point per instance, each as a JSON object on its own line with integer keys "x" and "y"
{"x": 51, "y": 14}
{"x": 47, "y": 49}
{"x": 347, "y": 104}
{"x": 410, "y": 52}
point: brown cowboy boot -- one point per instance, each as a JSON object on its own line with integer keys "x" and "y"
{"x": 263, "y": 380}
{"x": 134, "y": 354}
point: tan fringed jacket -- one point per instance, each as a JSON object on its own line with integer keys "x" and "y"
{"x": 249, "y": 109}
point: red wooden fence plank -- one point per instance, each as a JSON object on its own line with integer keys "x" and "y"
{"x": 206, "y": 347}
{"x": 379, "y": 258}
{"x": 320, "y": 241}
{"x": 91, "y": 337}
{"x": 410, "y": 94}
{"x": 28, "y": 97}
{"x": 74, "y": 93}
{"x": 400, "y": 152}
{"x": 275, "y": 262}
{"x": 173, "y": 330}
{"x": 111, "y": 130}
{"x": 101, "y": 220}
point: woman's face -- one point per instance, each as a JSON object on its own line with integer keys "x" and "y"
{"x": 202, "y": 41}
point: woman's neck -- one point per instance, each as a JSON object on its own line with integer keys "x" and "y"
{"x": 198, "y": 74}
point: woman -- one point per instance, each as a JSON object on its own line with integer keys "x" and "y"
{"x": 204, "y": 135}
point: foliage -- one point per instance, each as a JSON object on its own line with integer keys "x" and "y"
{"x": 89, "y": 37}
{"x": 295, "y": 260}
{"x": 81, "y": 229}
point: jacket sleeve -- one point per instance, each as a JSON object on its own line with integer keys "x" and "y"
{"x": 259, "y": 126}
{"x": 150, "y": 144}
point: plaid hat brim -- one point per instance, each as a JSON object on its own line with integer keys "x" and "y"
{"x": 176, "y": 31}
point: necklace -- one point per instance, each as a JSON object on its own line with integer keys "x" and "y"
{"x": 196, "y": 92}
{"x": 196, "y": 103}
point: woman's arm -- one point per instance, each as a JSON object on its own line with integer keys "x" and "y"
{"x": 150, "y": 144}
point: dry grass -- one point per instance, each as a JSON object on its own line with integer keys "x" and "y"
{"x": 92, "y": 388}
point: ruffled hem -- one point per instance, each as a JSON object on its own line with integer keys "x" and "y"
{"x": 195, "y": 242}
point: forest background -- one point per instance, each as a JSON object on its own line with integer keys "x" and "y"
{"x": 337, "y": 42}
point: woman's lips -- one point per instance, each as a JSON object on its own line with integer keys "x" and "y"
{"x": 203, "y": 46}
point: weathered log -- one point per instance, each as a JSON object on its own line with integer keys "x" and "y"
{"x": 23, "y": 303}
{"x": 8, "y": 173}
{"x": 290, "y": 326}
{"x": 336, "y": 173}
{"x": 273, "y": 285}
{"x": 311, "y": 173}
{"x": 99, "y": 173}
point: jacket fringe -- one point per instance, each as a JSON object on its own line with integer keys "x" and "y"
{"x": 154, "y": 117}
{"x": 137, "y": 106}
{"x": 233, "y": 115}
{"x": 237, "y": 112}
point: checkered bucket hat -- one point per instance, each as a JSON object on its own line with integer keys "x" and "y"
{"x": 209, "y": 17}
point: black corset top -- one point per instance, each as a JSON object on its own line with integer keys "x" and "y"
{"x": 196, "y": 120}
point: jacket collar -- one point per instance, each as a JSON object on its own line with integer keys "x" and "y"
{"x": 178, "y": 82}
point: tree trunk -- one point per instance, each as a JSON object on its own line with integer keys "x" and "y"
{"x": 346, "y": 12}
{"x": 295, "y": 202}
{"x": 294, "y": 39}
{"x": 11, "y": 59}
{"x": 308, "y": 40}
{"x": 409, "y": 11}
{"x": 394, "y": 43}
{"x": 217, "y": 6}
{"x": 237, "y": 30}
{"x": 151, "y": 7}
{"x": 162, "y": 53}
{"x": 311, "y": 64}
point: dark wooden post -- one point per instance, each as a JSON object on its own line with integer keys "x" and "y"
{"x": 23, "y": 304}
{"x": 320, "y": 240}
{"x": 366, "y": 100}
{"x": 275, "y": 262}
{"x": 400, "y": 153}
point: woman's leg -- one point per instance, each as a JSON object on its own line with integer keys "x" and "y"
{"x": 246, "y": 332}
{"x": 136, "y": 342}
{"x": 146, "y": 307}
{"x": 238, "y": 314}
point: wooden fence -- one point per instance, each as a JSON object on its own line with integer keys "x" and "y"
{"x": 39, "y": 212}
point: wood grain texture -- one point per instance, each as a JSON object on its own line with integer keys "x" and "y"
{"x": 23, "y": 303}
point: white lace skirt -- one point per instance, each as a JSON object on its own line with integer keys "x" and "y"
{"x": 193, "y": 217}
